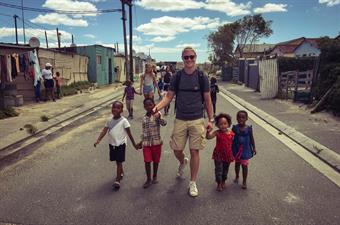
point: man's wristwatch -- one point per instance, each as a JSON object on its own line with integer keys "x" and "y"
{"x": 212, "y": 120}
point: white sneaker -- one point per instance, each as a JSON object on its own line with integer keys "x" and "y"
{"x": 180, "y": 173}
{"x": 193, "y": 192}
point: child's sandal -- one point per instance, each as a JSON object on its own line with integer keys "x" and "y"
{"x": 154, "y": 180}
{"x": 147, "y": 184}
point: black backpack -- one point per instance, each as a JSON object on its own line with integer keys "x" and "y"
{"x": 201, "y": 84}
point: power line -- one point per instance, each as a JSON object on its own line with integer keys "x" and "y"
{"x": 7, "y": 22}
{"x": 27, "y": 21}
{"x": 57, "y": 11}
{"x": 2, "y": 14}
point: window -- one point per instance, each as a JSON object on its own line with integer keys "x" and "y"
{"x": 99, "y": 59}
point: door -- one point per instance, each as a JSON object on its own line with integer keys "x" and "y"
{"x": 110, "y": 71}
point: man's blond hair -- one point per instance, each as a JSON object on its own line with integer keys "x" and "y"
{"x": 188, "y": 48}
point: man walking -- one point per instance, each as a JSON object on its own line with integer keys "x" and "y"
{"x": 191, "y": 88}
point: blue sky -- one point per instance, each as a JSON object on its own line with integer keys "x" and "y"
{"x": 163, "y": 27}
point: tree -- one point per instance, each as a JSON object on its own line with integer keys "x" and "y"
{"x": 250, "y": 29}
{"x": 247, "y": 30}
{"x": 222, "y": 44}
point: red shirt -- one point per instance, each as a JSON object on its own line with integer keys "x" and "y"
{"x": 224, "y": 142}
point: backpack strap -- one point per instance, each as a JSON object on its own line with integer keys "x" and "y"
{"x": 201, "y": 83}
{"x": 176, "y": 86}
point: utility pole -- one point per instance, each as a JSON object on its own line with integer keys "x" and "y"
{"x": 58, "y": 38}
{"x": 125, "y": 44}
{"x": 23, "y": 20}
{"x": 16, "y": 28}
{"x": 130, "y": 32}
{"x": 46, "y": 39}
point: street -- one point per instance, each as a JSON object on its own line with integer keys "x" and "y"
{"x": 68, "y": 181}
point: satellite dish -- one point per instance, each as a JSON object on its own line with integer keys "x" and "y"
{"x": 34, "y": 42}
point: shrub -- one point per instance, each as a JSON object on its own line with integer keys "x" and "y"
{"x": 44, "y": 118}
{"x": 73, "y": 88}
{"x": 8, "y": 112}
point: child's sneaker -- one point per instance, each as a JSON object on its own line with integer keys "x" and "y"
{"x": 180, "y": 173}
{"x": 193, "y": 192}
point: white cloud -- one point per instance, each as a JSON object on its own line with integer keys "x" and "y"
{"x": 171, "y": 26}
{"x": 330, "y": 2}
{"x": 271, "y": 7}
{"x": 95, "y": 1}
{"x": 170, "y": 5}
{"x": 56, "y": 19}
{"x": 194, "y": 45}
{"x": 228, "y": 7}
{"x": 135, "y": 38}
{"x": 162, "y": 39}
{"x": 90, "y": 36}
{"x": 39, "y": 33}
{"x": 70, "y": 5}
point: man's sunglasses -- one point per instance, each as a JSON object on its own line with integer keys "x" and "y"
{"x": 186, "y": 57}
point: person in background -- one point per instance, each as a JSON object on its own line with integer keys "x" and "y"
{"x": 148, "y": 82}
{"x": 129, "y": 93}
{"x": 37, "y": 85}
{"x": 57, "y": 84}
{"x": 213, "y": 92}
{"x": 48, "y": 81}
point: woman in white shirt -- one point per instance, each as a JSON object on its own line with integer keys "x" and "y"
{"x": 48, "y": 81}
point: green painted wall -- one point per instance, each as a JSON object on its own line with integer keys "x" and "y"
{"x": 99, "y": 72}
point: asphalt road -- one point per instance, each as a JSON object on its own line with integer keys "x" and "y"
{"x": 68, "y": 181}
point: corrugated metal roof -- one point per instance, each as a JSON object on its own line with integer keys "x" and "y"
{"x": 292, "y": 45}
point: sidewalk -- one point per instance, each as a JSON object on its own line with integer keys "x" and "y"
{"x": 13, "y": 135}
{"x": 319, "y": 133}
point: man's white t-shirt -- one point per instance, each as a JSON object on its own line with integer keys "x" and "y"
{"x": 116, "y": 130}
{"x": 46, "y": 74}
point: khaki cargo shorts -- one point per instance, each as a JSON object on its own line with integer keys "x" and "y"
{"x": 193, "y": 130}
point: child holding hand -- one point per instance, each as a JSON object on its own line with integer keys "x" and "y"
{"x": 222, "y": 154}
{"x": 151, "y": 141}
{"x": 243, "y": 146}
{"x": 117, "y": 128}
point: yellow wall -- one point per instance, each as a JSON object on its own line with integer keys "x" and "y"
{"x": 72, "y": 67}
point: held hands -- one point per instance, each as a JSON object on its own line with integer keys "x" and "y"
{"x": 138, "y": 146}
{"x": 209, "y": 127}
{"x": 156, "y": 113}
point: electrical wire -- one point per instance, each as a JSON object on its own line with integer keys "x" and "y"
{"x": 8, "y": 22}
{"x": 34, "y": 24}
{"x": 2, "y": 14}
{"x": 57, "y": 11}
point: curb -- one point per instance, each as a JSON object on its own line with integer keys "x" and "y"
{"x": 17, "y": 150}
{"x": 322, "y": 152}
